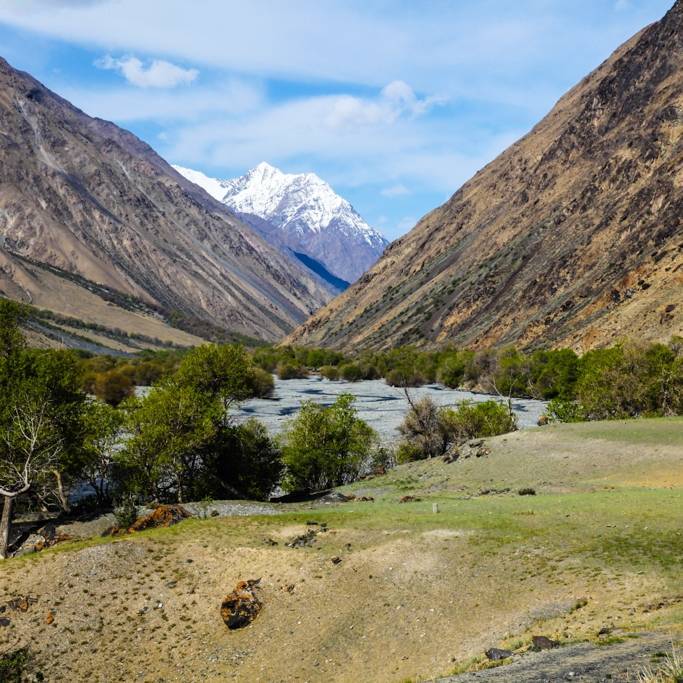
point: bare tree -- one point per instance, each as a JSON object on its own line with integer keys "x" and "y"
{"x": 32, "y": 450}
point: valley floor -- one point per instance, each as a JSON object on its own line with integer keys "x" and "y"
{"x": 417, "y": 594}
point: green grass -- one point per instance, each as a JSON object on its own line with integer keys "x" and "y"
{"x": 652, "y": 431}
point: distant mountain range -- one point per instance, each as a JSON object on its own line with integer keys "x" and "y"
{"x": 95, "y": 225}
{"x": 300, "y": 213}
{"x": 573, "y": 236}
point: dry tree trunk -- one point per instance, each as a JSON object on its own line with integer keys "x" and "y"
{"x": 8, "y": 503}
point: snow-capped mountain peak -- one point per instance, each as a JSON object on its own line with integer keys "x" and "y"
{"x": 308, "y": 214}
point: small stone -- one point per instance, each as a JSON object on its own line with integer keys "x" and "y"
{"x": 49, "y": 617}
{"x": 336, "y": 559}
{"x": 4, "y": 622}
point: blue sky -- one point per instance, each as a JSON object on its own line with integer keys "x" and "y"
{"x": 395, "y": 104}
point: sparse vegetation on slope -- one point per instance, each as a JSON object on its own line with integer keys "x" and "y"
{"x": 488, "y": 570}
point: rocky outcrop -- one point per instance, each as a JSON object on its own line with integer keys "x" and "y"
{"x": 573, "y": 236}
{"x": 91, "y": 199}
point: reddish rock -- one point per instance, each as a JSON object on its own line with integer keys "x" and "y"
{"x": 242, "y": 606}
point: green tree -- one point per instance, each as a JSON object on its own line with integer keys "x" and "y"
{"x": 41, "y": 433}
{"x": 169, "y": 431}
{"x": 326, "y": 446}
{"x": 554, "y": 373}
{"x": 221, "y": 371}
{"x": 243, "y": 461}
{"x": 102, "y": 434}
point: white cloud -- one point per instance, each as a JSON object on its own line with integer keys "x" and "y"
{"x": 437, "y": 47}
{"x": 126, "y": 104}
{"x": 398, "y": 190}
{"x": 158, "y": 74}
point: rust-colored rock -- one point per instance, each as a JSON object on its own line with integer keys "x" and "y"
{"x": 22, "y": 603}
{"x": 162, "y": 516}
{"x": 242, "y": 606}
{"x": 50, "y": 617}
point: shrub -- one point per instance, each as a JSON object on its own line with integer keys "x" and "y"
{"x": 471, "y": 420}
{"x": 423, "y": 432}
{"x": 408, "y": 451}
{"x": 351, "y": 372}
{"x": 14, "y": 665}
{"x": 291, "y": 371}
{"x": 513, "y": 375}
{"x": 330, "y": 372}
{"x": 326, "y": 446}
{"x": 369, "y": 371}
{"x": 261, "y": 383}
{"x": 630, "y": 380}
{"x": 451, "y": 372}
{"x": 554, "y": 373}
{"x": 126, "y": 514}
{"x": 563, "y": 410}
{"x": 113, "y": 386}
{"x": 404, "y": 377}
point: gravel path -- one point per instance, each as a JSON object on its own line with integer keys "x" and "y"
{"x": 582, "y": 662}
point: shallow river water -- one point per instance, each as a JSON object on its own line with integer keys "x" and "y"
{"x": 383, "y": 407}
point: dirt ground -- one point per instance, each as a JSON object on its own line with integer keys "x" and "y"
{"x": 417, "y": 594}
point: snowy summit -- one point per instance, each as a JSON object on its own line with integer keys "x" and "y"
{"x": 302, "y": 212}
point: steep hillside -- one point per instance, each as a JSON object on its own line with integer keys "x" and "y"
{"x": 572, "y": 236}
{"x": 91, "y": 199}
{"x": 302, "y": 213}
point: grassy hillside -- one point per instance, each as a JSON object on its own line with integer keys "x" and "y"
{"x": 417, "y": 594}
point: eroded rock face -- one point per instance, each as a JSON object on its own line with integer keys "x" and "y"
{"x": 572, "y": 236}
{"x": 242, "y": 606}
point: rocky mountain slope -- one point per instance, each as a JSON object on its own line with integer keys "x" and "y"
{"x": 572, "y": 236}
{"x": 91, "y": 199}
{"x": 302, "y": 213}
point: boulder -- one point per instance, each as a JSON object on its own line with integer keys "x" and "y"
{"x": 336, "y": 497}
{"x": 161, "y": 516}
{"x": 496, "y": 654}
{"x": 32, "y": 544}
{"x": 543, "y": 643}
{"x": 242, "y": 606}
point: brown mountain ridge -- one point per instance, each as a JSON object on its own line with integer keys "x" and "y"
{"x": 82, "y": 195}
{"x": 572, "y": 236}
